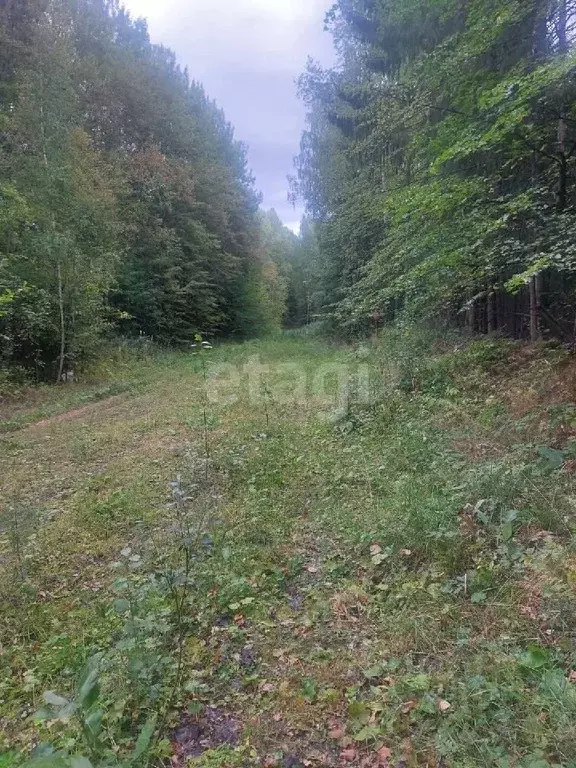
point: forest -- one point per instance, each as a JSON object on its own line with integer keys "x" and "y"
{"x": 438, "y": 165}
{"x": 126, "y": 204}
{"x": 278, "y": 500}
{"x": 437, "y": 169}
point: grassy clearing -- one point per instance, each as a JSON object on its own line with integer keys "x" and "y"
{"x": 285, "y": 568}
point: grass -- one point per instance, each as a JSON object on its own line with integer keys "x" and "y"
{"x": 373, "y": 580}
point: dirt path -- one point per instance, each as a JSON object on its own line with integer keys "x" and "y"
{"x": 83, "y": 412}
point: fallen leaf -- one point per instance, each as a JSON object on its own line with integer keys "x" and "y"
{"x": 336, "y": 733}
{"x": 384, "y": 755}
{"x": 408, "y": 706}
{"x": 406, "y": 552}
{"x": 444, "y": 705}
{"x": 406, "y": 750}
{"x": 375, "y": 549}
{"x": 572, "y": 676}
{"x": 312, "y": 568}
{"x": 349, "y": 755}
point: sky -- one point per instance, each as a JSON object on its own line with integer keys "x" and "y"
{"x": 248, "y": 54}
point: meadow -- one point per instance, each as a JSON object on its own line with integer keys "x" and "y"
{"x": 291, "y": 552}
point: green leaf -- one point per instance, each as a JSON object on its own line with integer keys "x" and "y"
{"x": 93, "y": 724}
{"x": 309, "y": 690}
{"x": 367, "y": 733}
{"x": 418, "y": 683}
{"x": 478, "y": 597}
{"x": 54, "y": 700}
{"x": 373, "y": 672}
{"x": 44, "y": 749}
{"x": 535, "y": 658}
{"x": 89, "y": 690}
{"x": 507, "y": 531}
{"x": 121, "y": 606}
{"x": 80, "y": 762}
{"x": 52, "y": 761}
{"x": 357, "y": 710}
{"x": 88, "y": 694}
{"x": 553, "y": 458}
{"x": 247, "y": 601}
{"x": 144, "y": 739}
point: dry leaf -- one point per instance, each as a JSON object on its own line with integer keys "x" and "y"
{"x": 572, "y": 676}
{"x": 375, "y": 549}
{"x": 384, "y": 755}
{"x": 408, "y": 706}
{"x": 336, "y": 733}
{"x": 406, "y": 552}
{"x": 406, "y": 750}
{"x": 349, "y": 755}
{"x": 444, "y": 705}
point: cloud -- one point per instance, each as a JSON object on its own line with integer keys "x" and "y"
{"x": 248, "y": 54}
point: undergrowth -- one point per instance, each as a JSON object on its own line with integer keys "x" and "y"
{"x": 273, "y": 577}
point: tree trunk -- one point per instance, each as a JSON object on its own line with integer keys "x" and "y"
{"x": 471, "y": 317}
{"x": 535, "y": 308}
{"x": 62, "y": 356}
{"x": 538, "y": 289}
{"x": 562, "y": 27}
{"x": 491, "y": 311}
{"x": 562, "y": 196}
{"x": 541, "y": 37}
{"x": 562, "y": 184}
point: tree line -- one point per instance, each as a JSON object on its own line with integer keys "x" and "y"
{"x": 438, "y": 165}
{"x": 126, "y": 203}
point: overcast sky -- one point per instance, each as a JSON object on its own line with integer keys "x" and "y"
{"x": 248, "y": 53}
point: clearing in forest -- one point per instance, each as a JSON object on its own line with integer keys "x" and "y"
{"x": 287, "y": 553}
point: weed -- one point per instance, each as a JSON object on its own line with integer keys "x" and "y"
{"x": 395, "y": 582}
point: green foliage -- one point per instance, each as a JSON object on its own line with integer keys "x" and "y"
{"x": 438, "y": 165}
{"x": 402, "y": 564}
{"x": 125, "y": 203}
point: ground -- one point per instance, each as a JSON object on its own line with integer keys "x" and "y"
{"x": 294, "y": 553}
